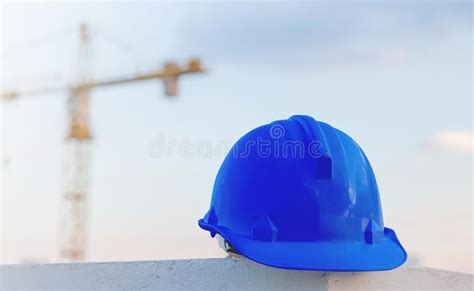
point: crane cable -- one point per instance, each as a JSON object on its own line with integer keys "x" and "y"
{"x": 121, "y": 45}
{"x": 58, "y": 35}
{"x": 54, "y": 36}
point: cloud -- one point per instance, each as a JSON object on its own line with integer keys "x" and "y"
{"x": 460, "y": 141}
{"x": 319, "y": 33}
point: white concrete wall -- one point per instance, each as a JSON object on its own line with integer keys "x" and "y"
{"x": 219, "y": 274}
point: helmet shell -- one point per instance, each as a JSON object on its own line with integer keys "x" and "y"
{"x": 306, "y": 189}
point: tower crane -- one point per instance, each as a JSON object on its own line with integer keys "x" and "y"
{"x": 73, "y": 237}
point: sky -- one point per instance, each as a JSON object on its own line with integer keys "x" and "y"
{"x": 397, "y": 77}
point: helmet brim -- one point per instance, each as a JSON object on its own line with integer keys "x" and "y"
{"x": 387, "y": 254}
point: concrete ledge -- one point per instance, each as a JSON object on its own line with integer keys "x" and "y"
{"x": 227, "y": 273}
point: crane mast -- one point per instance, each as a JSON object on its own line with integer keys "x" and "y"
{"x": 74, "y": 205}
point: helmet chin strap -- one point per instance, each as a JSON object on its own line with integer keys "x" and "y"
{"x": 227, "y": 247}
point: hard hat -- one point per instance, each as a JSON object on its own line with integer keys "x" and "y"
{"x": 300, "y": 194}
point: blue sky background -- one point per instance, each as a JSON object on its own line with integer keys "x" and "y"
{"x": 397, "y": 77}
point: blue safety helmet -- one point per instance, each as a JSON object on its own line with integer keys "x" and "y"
{"x": 300, "y": 194}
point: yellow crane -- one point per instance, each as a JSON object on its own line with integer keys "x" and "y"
{"x": 73, "y": 235}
